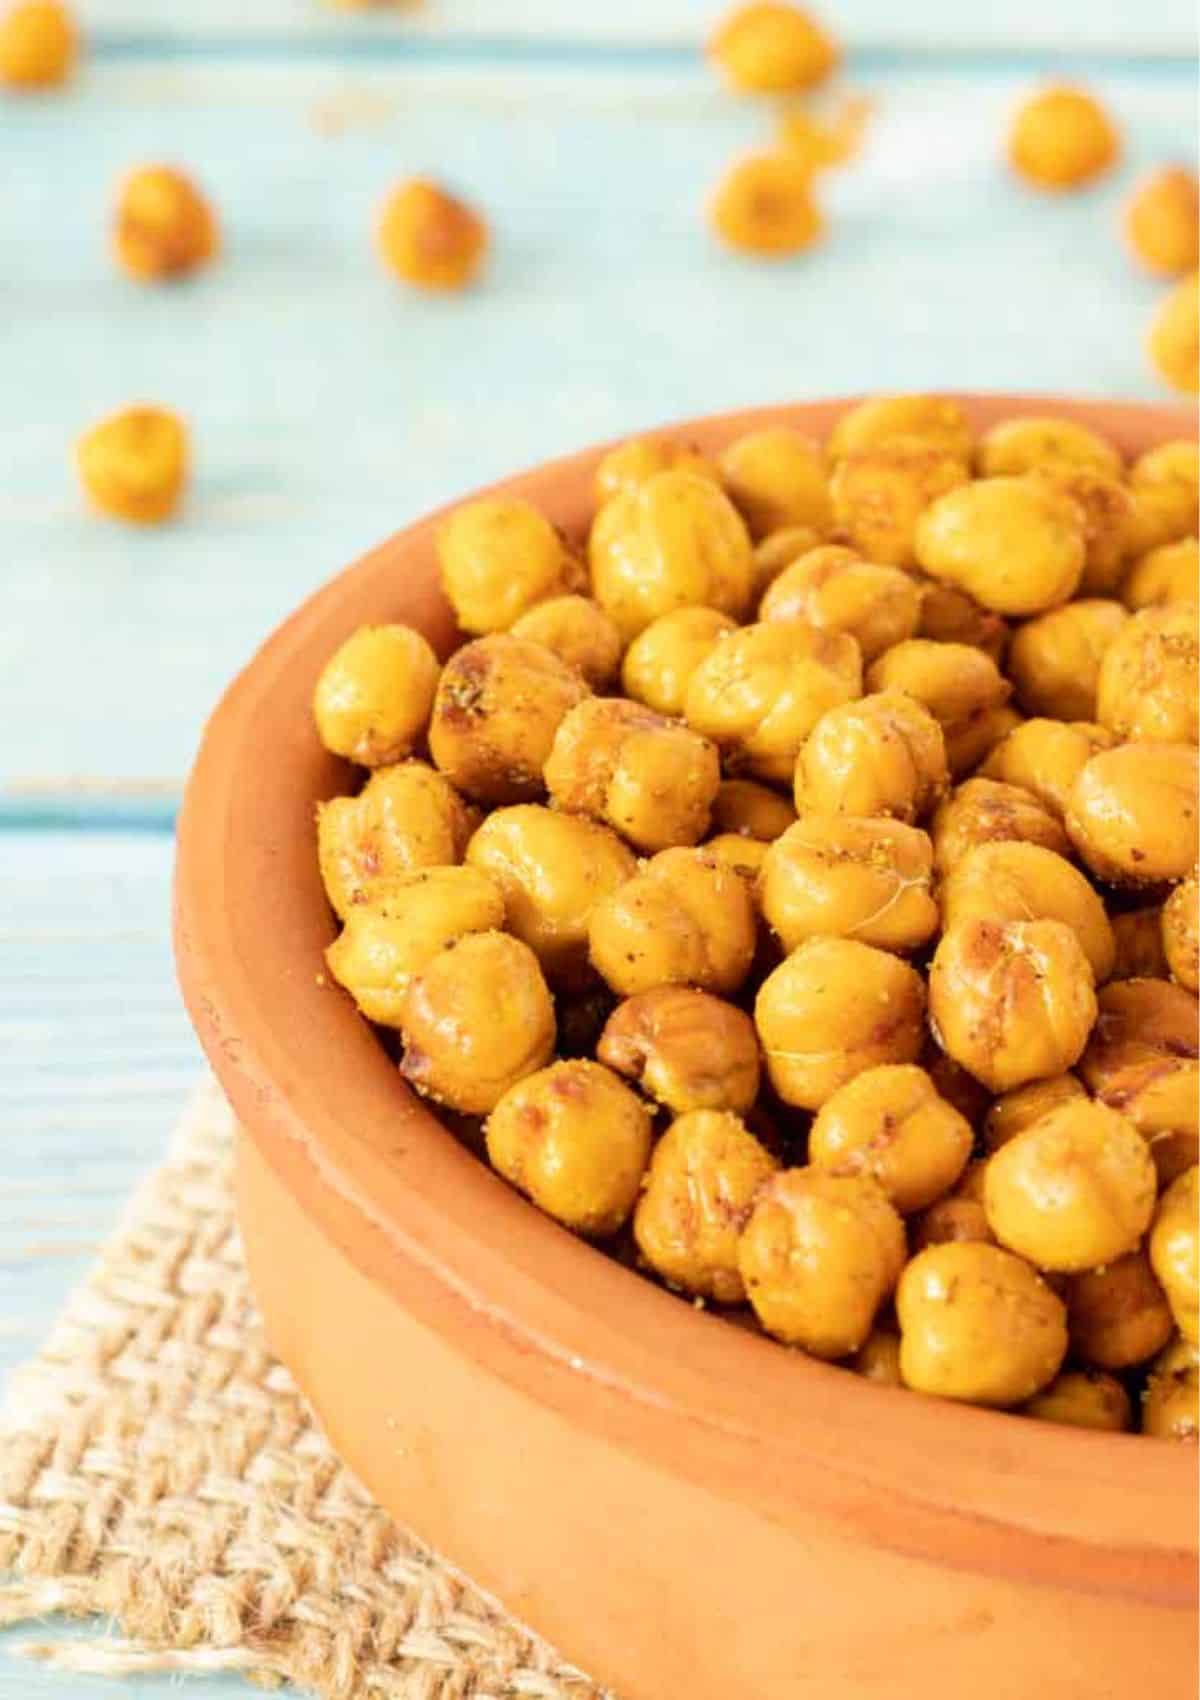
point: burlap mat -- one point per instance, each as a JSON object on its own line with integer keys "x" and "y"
{"x": 159, "y": 1467}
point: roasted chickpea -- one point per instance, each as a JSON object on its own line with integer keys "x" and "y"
{"x": 958, "y": 684}
{"x": 134, "y": 464}
{"x": 675, "y": 541}
{"x": 552, "y": 870}
{"x": 499, "y": 557}
{"x": 705, "y": 1174}
{"x": 835, "y": 590}
{"x": 395, "y": 936}
{"x": 38, "y": 45}
{"x": 776, "y": 477}
{"x": 1117, "y": 1314}
{"x": 1150, "y": 675}
{"x": 651, "y": 779}
{"x": 818, "y": 1256}
{"x": 1011, "y": 1001}
{"x": 772, "y": 47}
{"x": 838, "y": 876}
{"x": 1061, "y": 138}
{"x": 1045, "y": 758}
{"x": 1164, "y": 575}
{"x": 1038, "y": 442}
{"x": 882, "y": 755}
{"x": 682, "y": 920}
{"x": 1141, "y": 1059}
{"x": 753, "y": 810}
{"x": 986, "y": 811}
{"x": 163, "y": 225}
{"x": 764, "y": 205}
{"x": 579, "y": 632}
{"x": 1171, "y": 1401}
{"x": 1173, "y": 340}
{"x": 833, "y": 1008}
{"x": 1162, "y": 221}
{"x": 744, "y": 855}
{"x": 880, "y": 492}
{"x": 949, "y": 615}
{"x": 977, "y": 741}
{"x": 825, "y": 142}
{"x": 889, "y": 1122}
{"x": 958, "y": 1215}
{"x": 688, "y": 1050}
{"x": 760, "y": 691}
{"x": 1012, "y": 1112}
{"x": 405, "y": 817}
{"x": 636, "y": 460}
{"x": 777, "y": 551}
{"x": 475, "y": 1020}
{"x": 430, "y": 238}
{"x": 978, "y": 1324}
{"x": 934, "y": 419}
{"x": 374, "y": 695}
{"x": 878, "y": 1358}
{"x": 954, "y": 1084}
{"x": 1014, "y": 544}
{"x": 1083, "y": 1398}
{"x": 1165, "y": 486}
{"x": 1137, "y": 935}
{"x": 1054, "y": 661}
{"x": 1106, "y": 507}
{"x": 575, "y": 1141}
{"x": 660, "y": 661}
{"x": 1132, "y": 813}
{"x": 1175, "y": 1252}
{"x": 499, "y": 703}
{"x": 1181, "y": 934}
{"x": 1026, "y": 882}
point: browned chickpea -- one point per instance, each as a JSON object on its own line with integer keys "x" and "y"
{"x": 1169, "y": 573}
{"x": 1175, "y": 1252}
{"x": 819, "y": 1255}
{"x": 958, "y": 1215}
{"x": 163, "y": 225}
{"x": 733, "y": 850}
{"x": 1012, "y": 1112}
{"x": 576, "y": 1141}
{"x": 1141, "y": 1059}
{"x": 956, "y": 682}
{"x": 890, "y": 1123}
{"x": 1117, "y": 1315}
{"x": 375, "y": 693}
{"x": 704, "y": 1176}
{"x": 954, "y": 1084}
{"x": 1137, "y": 935}
{"x": 660, "y": 661}
{"x": 1173, "y": 339}
{"x": 978, "y": 1324}
{"x": 772, "y": 47}
{"x": 404, "y": 817}
{"x": 1054, "y": 661}
{"x": 1045, "y": 758}
{"x": 1083, "y": 1398}
{"x": 760, "y": 692}
{"x": 476, "y": 1020}
{"x": 499, "y": 556}
{"x": 1181, "y": 934}
{"x": 430, "y": 238}
{"x": 552, "y": 870}
{"x": 1162, "y": 221}
{"x": 1061, "y": 137}
{"x": 1107, "y": 510}
{"x": 1015, "y": 544}
{"x": 841, "y": 877}
{"x": 1149, "y": 678}
{"x": 650, "y": 778}
{"x": 1011, "y": 1001}
{"x": 637, "y": 459}
{"x": 754, "y": 810}
{"x": 688, "y": 1050}
{"x": 835, "y": 590}
{"x": 1165, "y": 486}
{"x": 878, "y": 1358}
{"x": 682, "y": 920}
{"x": 499, "y": 704}
{"x": 986, "y": 811}
{"x": 776, "y": 477}
{"x": 1171, "y": 1401}
{"x": 949, "y": 615}
{"x": 882, "y": 755}
{"x": 880, "y": 493}
{"x": 1037, "y": 442}
{"x": 676, "y": 541}
{"x": 579, "y": 632}
{"x": 1132, "y": 813}
{"x": 933, "y": 418}
{"x": 777, "y": 551}
{"x": 1026, "y": 882}
{"x": 833, "y": 1008}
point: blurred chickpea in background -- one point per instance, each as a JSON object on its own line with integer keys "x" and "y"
{"x": 39, "y": 45}
{"x": 1170, "y": 573}
{"x": 1061, "y": 138}
{"x": 631, "y": 463}
{"x": 934, "y": 419}
{"x": 1165, "y": 486}
{"x": 1036, "y": 441}
{"x": 1173, "y": 340}
{"x": 134, "y": 464}
{"x": 764, "y": 205}
{"x": 430, "y": 238}
{"x": 822, "y": 143}
{"x": 770, "y": 47}
{"x": 1162, "y": 221}
{"x": 163, "y": 225}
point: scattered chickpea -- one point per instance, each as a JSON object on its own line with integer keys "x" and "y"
{"x": 579, "y": 632}
{"x": 934, "y": 419}
{"x": 881, "y": 492}
{"x": 1175, "y": 1252}
{"x": 687, "y": 1049}
{"x": 835, "y": 876}
{"x": 772, "y": 47}
{"x": 1162, "y": 221}
{"x": 1062, "y": 138}
{"x": 684, "y": 919}
{"x": 660, "y": 661}
{"x": 1131, "y": 814}
{"x": 889, "y": 1122}
{"x": 1181, "y": 934}
{"x": 1149, "y": 676}
{"x": 1171, "y": 1401}
{"x": 430, "y": 238}
{"x": 1083, "y": 1398}
{"x": 777, "y": 478}
{"x": 1173, "y": 339}
{"x": 882, "y": 755}
{"x": 499, "y": 557}
{"x": 823, "y": 143}
{"x": 1017, "y": 545}
{"x": 834, "y": 589}
{"x": 764, "y": 205}
{"x": 405, "y": 817}
{"x": 375, "y": 694}
{"x": 164, "y": 226}
{"x": 134, "y": 464}
{"x": 39, "y": 45}
{"x": 1117, "y": 1314}
{"x": 1169, "y": 573}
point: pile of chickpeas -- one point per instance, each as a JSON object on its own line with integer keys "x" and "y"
{"x": 791, "y": 887}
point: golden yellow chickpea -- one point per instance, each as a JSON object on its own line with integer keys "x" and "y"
{"x": 1011, "y": 1001}
{"x": 987, "y": 811}
{"x": 764, "y": 205}
{"x": 890, "y": 1123}
{"x": 579, "y": 632}
{"x": 395, "y": 936}
{"x": 1083, "y": 1398}
{"x": 632, "y": 463}
{"x": 879, "y": 494}
{"x": 1012, "y": 1112}
{"x": 1061, "y": 138}
{"x": 777, "y": 551}
{"x": 375, "y": 693}
{"x": 405, "y": 817}
{"x": 818, "y": 1256}
{"x": 762, "y": 689}
{"x": 882, "y": 755}
{"x": 499, "y": 557}
{"x": 1138, "y": 937}
{"x": 1173, "y": 339}
{"x": 755, "y": 811}
{"x": 687, "y": 1049}
{"x": 1054, "y": 661}
{"x": 772, "y": 47}
{"x": 1150, "y": 675}
{"x": 1165, "y": 486}
{"x": 777, "y": 477}
{"x": 835, "y": 590}
{"x": 134, "y": 464}
{"x": 38, "y": 45}
{"x": 430, "y": 238}
{"x": 1141, "y": 1059}
{"x": 499, "y": 703}
{"x": 957, "y": 683}
{"x": 833, "y": 1008}
{"x": 1175, "y": 1251}
{"x": 933, "y": 418}
{"x": 1131, "y": 814}
{"x": 958, "y": 1215}
{"x": 660, "y": 661}
{"x": 1181, "y": 934}
{"x": 1170, "y": 573}
{"x": 1037, "y": 442}
{"x": 1014, "y": 881}
{"x": 683, "y": 919}
{"x": 705, "y": 1174}
{"x": 980, "y": 737}
{"x": 1106, "y": 507}
{"x": 648, "y": 777}
{"x": 1162, "y": 221}
{"x": 949, "y": 615}
{"x": 163, "y": 225}
{"x": 744, "y": 855}
{"x": 978, "y": 1324}
{"x": 1016, "y": 545}
{"x": 1117, "y": 1314}
{"x": 1045, "y": 758}
{"x": 574, "y": 1140}
{"x": 954, "y": 1084}
{"x": 824, "y": 142}
{"x": 837, "y": 876}
{"x": 477, "y": 1019}
{"x": 1171, "y": 1401}
{"x": 674, "y": 541}
{"x": 552, "y": 869}
{"x": 878, "y": 1358}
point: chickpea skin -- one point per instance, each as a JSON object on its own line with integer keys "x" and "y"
{"x": 1083, "y": 1398}
{"x": 949, "y": 615}
{"x": 574, "y": 1140}
{"x": 660, "y": 661}
{"x": 755, "y": 811}
{"x": 1138, "y": 937}
{"x": 934, "y": 419}
{"x": 1149, "y": 677}
{"x": 889, "y": 1122}
{"x": 1165, "y": 486}
{"x": 1062, "y": 138}
{"x": 688, "y": 1050}
{"x": 1181, "y": 934}
{"x": 683, "y": 919}
{"x": 818, "y": 1256}
{"x": 1161, "y": 221}
{"x": 649, "y": 778}
{"x": 1016, "y": 545}
{"x": 880, "y": 493}
{"x": 835, "y": 590}
{"x": 1026, "y": 882}
{"x": 1173, "y": 339}
{"x": 704, "y": 1176}
{"x": 1039, "y": 442}
{"x": 39, "y": 45}
{"x": 1141, "y": 1059}
{"x": 1055, "y": 660}
{"x": 776, "y": 477}
{"x": 1117, "y": 1314}
{"x": 579, "y": 632}
{"x": 1170, "y": 573}
{"x": 632, "y": 463}
{"x": 164, "y": 227}
{"x": 987, "y": 811}
{"x": 958, "y": 684}
{"x": 1171, "y": 1401}
{"x": 499, "y": 557}
{"x": 1012, "y": 1112}
{"x": 1132, "y": 813}
{"x": 405, "y": 817}
{"x": 134, "y": 465}
{"x": 1045, "y": 758}
{"x": 1106, "y": 508}
{"x": 764, "y": 206}
{"x": 882, "y": 755}
{"x": 836, "y": 876}
{"x": 772, "y": 47}
{"x": 430, "y": 238}
{"x": 744, "y": 855}
{"x": 1175, "y": 1252}
{"x": 833, "y": 1008}
{"x": 375, "y": 694}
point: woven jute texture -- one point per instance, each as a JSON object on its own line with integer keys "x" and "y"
{"x": 159, "y": 1467}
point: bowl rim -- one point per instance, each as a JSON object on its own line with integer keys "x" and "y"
{"x": 453, "y": 1244}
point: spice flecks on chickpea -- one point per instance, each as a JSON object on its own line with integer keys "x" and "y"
{"x": 39, "y": 44}
{"x": 499, "y": 556}
{"x": 660, "y": 661}
{"x": 684, "y": 919}
{"x": 772, "y": 47}
{"x": 579, "y": 632}
{"x": 880, "y": 492}
{"x": 933, "y": 419}
{"x": 1161, "y": 221}
{"x": 430, "y": 238}
{"x": 882, "y": 755}
{"x": 635, "y": 461}
{"x": 405, "y": 817}
{"x": 1117, "y": 1314}
{"x": 1016, "y": 545}
{"x": 765, "y": 206}
{"x": 1181, "y": 934}
{"x": 1149, "y": 677}
{"x": 834, "y": 589}
{"x": 838, "y": 876}
{"x": 1062, "y": 138}
{"x": 1171, "y": 1401}
{"x": 889, "y": 1122}
{"x": 374, "y": 695}
{"x": 1044, "y": 758}
{"x": 1141, "y": 1059}
{"x": 1132, "y": 813}
{"x": 1175, "y": 1251}
{"x": 776, "y": 478}
{"x": 957, "y": 683}
{"x": 1173, "y": 339}
{"x": 164, "y": 226}
{"x": 987, "y": 811}
{"x": 1106, "y": 509}
{"x": 1014, "y": 881}
{"x": 687, "y": 1049}
{"x": 134, "y": 465}
{"x": 1083, "y": 1398}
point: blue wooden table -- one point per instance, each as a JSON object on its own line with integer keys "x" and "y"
{"x": 329, "y": 407}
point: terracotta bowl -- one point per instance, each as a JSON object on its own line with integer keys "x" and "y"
{"x": 686, "y": 1510}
